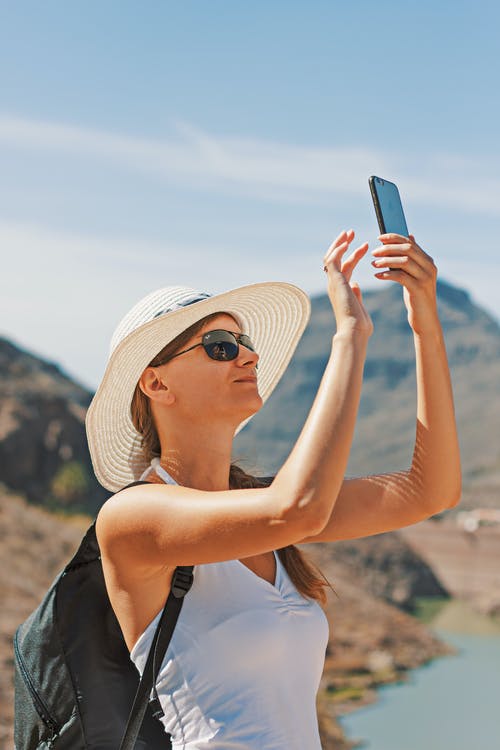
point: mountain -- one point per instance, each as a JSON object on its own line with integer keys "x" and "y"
{"x": 385, "y": 430}
{"x": 43, "y": 447}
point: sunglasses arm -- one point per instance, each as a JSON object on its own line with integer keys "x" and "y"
{"x": 178, "y": 354}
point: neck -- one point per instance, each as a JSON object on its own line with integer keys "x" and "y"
{"x": 199, "y": 458}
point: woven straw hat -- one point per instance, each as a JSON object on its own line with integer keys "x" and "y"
{"x": 273, "y": 314}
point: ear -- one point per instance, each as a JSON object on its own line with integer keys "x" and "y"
{"x": 153, "y": 386}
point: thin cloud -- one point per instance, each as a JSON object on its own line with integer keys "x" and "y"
{"x": 265, "y": 169}
{"x": 65, "y": 292}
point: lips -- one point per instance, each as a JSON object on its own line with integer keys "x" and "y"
{"x": 246, "y": 380}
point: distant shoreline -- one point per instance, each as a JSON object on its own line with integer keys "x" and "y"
{"x": 467, "y": 564}
{"x": 469, "y": 633}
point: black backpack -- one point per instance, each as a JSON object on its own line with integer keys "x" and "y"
{"x": 75, "y": 685}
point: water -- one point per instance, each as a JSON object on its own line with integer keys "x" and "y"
{"x": 452, "y": 703}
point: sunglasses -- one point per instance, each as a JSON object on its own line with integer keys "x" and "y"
{"x": 220, "y": 345}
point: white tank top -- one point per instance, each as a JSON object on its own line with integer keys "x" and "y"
{"x": 244, "y": 664}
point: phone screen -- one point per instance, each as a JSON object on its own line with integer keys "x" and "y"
{"x": 388, "y": 206}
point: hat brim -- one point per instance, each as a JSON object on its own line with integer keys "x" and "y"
{"x": 273, "y": 314}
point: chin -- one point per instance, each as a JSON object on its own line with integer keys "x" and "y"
{"x": 257, "y": 406}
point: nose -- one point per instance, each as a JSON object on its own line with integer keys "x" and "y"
{"x": 248, "y": 357}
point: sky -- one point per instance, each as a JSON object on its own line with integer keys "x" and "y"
{"x": 216, "y": 144}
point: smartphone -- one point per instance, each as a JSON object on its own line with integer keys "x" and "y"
{"x": 388, "y": 206}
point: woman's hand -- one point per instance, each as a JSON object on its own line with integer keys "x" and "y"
{"x": 347, "y": 303}
{"x": 417, "y": 273}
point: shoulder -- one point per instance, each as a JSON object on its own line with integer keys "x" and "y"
{"x": 114, "y": 512}
{"x": 123, "y": 535}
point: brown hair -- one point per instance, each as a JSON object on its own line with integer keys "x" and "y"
{"x": 307, "y": 578}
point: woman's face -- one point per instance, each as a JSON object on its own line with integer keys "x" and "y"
{"x": 207, "y": 389}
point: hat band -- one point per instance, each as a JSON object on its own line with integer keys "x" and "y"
{"x": 189, "y": 301}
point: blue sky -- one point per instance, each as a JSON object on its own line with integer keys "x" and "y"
{"x": 221, "y": 143}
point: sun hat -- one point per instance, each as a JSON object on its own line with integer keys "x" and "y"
{"x": 274, "y": 314}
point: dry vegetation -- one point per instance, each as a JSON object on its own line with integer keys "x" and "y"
{"x": 33, "y": 547}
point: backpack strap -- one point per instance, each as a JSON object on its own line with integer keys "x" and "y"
{"x": 181, "y": 583}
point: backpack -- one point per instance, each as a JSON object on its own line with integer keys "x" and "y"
{"x": 74, "y": 681}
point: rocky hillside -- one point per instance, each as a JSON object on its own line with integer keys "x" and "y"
{"x": 385, "y": 566}
{"x": 371, "y": 642}
{"x": 43, "y": 447}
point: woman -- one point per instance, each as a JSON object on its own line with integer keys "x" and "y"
{"x": 246, "y": 657}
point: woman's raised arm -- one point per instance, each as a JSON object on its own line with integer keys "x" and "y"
{"x": 383, "y": 502}
{"x": 435, "y": 468}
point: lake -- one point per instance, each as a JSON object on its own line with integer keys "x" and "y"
{"x": 452, "y": 703}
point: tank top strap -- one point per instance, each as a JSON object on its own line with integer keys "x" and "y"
{"x": 160, "y": 471}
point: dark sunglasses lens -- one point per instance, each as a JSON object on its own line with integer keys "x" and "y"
{"x": 224, "y": 345}
{"x": 222, "y": 350}
{"x": 220, "y": 345}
